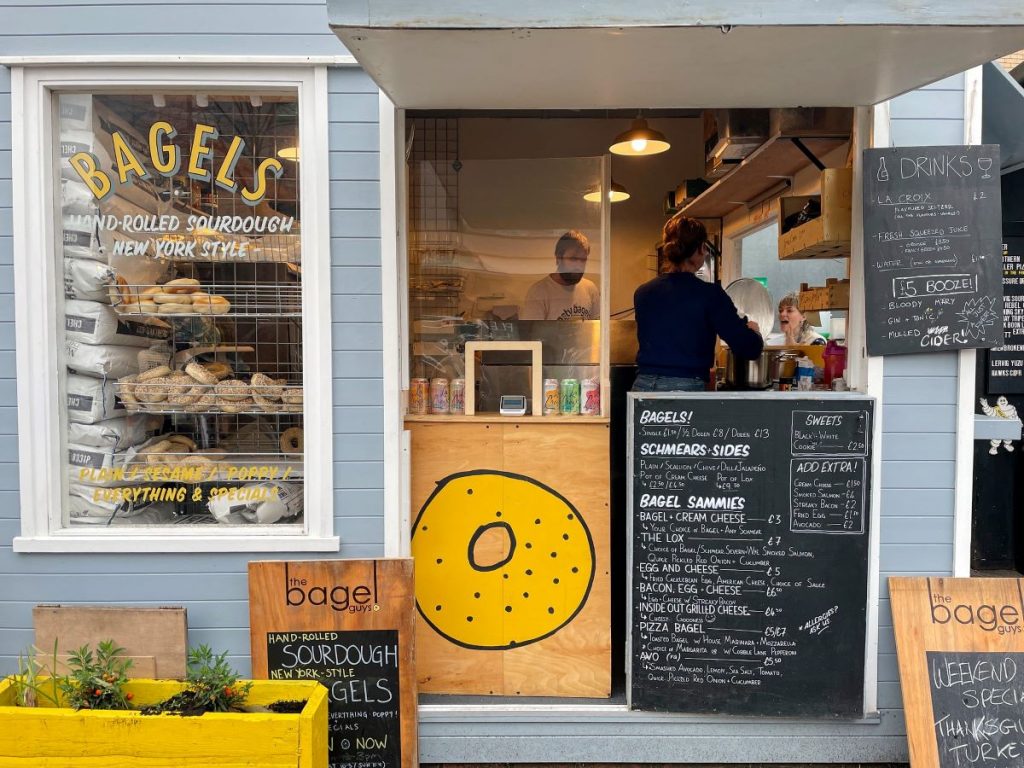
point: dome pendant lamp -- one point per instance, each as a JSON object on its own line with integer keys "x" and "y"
{"x": 639, "y": 140}
{"x": 616, "y": 194}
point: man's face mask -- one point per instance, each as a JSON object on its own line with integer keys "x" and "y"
{"x": 572, "y": 265}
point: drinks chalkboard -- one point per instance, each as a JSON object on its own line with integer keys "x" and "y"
{"x": 977, "y": 708}
{"x": 1006, "y": 362}
{"x": 349, "y": 625}
{"x": 932, "y": 236}
{"x": 748, "y": 555}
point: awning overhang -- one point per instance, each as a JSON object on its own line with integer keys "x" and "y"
{"x": 1002, "y": 120}
{"x": 504, "y": 59}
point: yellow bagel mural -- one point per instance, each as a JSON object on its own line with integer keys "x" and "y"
{"x": 501, "y": 560}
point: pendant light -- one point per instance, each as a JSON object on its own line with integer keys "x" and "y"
{"x": 639, "y": 140}
{"x": 616, "y": 194}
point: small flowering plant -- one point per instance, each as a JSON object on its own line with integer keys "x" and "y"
{"x": 96, "y": 678}
{"x": 212, "y": 683}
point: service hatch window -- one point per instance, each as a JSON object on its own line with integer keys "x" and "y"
{"x": 502, "y": 251}
{"x": 178, "y": 238}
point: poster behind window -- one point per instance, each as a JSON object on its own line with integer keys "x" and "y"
{"x": 179, "y": 238}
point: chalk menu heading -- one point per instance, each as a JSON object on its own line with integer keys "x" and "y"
{"x": 932, "y": 249}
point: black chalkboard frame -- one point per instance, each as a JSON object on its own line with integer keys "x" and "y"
{"x": 854, "y": 401}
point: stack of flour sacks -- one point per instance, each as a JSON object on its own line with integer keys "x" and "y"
{"x": 99, "y": 345}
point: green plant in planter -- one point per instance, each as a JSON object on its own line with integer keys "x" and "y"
{"x": 96, "y": 679}
{"x": 212, "y": 686}
{"x": 29, "y": 686}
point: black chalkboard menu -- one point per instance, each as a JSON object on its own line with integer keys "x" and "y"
{"x": 932, "y": 236}
{"x": 977, "y": 708}
{"x": 1005, "y": 369}
{"x": 748, "y": 553}
{"x": 360, "y": 669}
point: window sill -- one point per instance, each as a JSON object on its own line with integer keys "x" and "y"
{"x": 164, "y": 541}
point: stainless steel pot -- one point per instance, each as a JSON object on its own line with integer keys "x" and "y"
{"x": 750, "y": 374}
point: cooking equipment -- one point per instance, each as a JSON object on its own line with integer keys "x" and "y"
{"x": 749, "y": 374}
{"x": 753, "y": 301}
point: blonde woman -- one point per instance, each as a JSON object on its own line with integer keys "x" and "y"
{"x": 793, "y": 323}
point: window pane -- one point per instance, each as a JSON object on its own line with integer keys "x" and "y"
{"x": 178, "y": 237}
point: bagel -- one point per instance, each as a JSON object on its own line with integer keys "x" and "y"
{"x": 266, "y": 387}
{"x": 150, "y": 292}
{"x": 537, "y": 589}
{"x": 187, "y": 397}
{"x": 126, "y": 389}
{"x": 184, "y": 440}
{"x": 166, "y": 297}
{"x": 152, "y": 392}
{"x": 148, "y": 307}
{"x": 220, "y": 370}
{"x": 232, "y": 389}
{"x": 265, "y": 404}
{"x": 200, "y": 374}
{"x": 292, "y": 442}
{"x": 176, "y": 309}
{"x": 154, "y": 373}
{"x": 292, "y": 408}
{"x": 214, "y": 305}
{"x": 292, "y": 395}
{"x": 182, "y": 285}
{"x": 235, "y": 406}
{"x": 178, "y": 384}
{"x": 205, "y": 402}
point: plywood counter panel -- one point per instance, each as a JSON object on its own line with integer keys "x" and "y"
{"x": 503, "y": 511}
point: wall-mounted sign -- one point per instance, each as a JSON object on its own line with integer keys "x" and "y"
{"x": 960, "y": 644}
{"x": 348, "y": 624}
{"x": 1005, "y": 369}
{"x": 932, "y": 249}
{"x": 748, "y": 554}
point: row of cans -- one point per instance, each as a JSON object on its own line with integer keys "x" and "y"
{"x": 566, "y": 396}
{"x": 572, "y": 396}
{"x": 437, "y": 396}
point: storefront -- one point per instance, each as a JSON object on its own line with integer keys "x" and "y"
{"x": 300, "y": 253}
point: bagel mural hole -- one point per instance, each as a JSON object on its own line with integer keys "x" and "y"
{"x": 491, "y": 546}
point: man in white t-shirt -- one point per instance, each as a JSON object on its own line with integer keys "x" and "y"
{"x": 565, "y": 294}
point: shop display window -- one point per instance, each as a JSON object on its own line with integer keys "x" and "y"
{"x": 180, "y": 231}
{"x": 179, "y": 300}
{"x": 502, "y": 250}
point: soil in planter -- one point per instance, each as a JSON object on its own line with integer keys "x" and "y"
{"x": 183, "y": 704}
{"x": 286, "y": 706}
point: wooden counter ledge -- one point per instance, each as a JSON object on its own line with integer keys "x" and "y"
{"x": 494, "y": 417}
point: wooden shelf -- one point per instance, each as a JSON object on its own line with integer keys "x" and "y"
{"x": 440, "y": 418}
{"x": 777, "y": 158}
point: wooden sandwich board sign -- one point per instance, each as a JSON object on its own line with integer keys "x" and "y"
{"x": 960, "y": 644}
{"x": 348, "y": 624}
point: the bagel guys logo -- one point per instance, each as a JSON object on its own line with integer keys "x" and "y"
{"x": 1001, "y": 618}
{"x": 358, "y": 597}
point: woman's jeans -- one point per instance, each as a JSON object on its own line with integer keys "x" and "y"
{"x": 647, "y": 382}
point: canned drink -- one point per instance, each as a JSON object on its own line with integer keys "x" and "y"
{"x": 590, "y": 397}
{"x": 569, "y": 393}
{"x": 457, "y": 396}
{"x": 439, "y": 402}
{"x": 551, "y": 404}
{"x": 419, "y": 396}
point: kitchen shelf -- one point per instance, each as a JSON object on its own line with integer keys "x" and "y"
{"x": 778, "y": 158}
{"x": 441, "y": 418}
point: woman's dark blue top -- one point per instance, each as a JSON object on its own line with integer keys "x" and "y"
{"x": 678, "y": 316}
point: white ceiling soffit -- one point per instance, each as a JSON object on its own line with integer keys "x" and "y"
{"x": 659, "y": 66}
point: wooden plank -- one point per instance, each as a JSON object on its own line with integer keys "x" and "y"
{"x": 956, "y": 616}
{"x": 349, "y": 624}
{"x": 476, "y": 486}
{"x": 759, "y": 172}
{"x": 156, "y": 639}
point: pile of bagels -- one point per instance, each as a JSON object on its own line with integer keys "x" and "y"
{"x": 184, "y": 296}
{"x": 177, "y": 450}
{"x": 207, "y": 388}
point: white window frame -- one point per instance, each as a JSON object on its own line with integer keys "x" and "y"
{"x": 41, "y": 455}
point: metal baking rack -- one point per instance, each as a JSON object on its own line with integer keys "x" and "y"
{"x": 245, "y": 301}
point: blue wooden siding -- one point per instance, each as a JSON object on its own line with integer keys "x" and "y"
{"x": 211, "y": 586}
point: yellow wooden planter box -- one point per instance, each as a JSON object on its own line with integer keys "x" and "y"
{"x": 51, "y": 737}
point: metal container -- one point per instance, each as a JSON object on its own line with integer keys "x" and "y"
{"x": 750, "y": 374}
{"x": 784, "y": 365}
{"x": 551, "y": 404}
{"x": 419, "y": 396}
{"x": 439, "y": 402}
